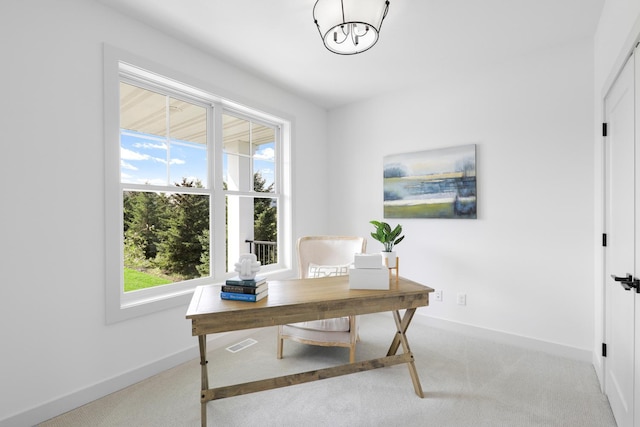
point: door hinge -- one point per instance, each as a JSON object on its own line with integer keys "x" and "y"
{"x": 604, "y": 239}
{"x": 604, "y": 129}
{"x": 604, "y": 350}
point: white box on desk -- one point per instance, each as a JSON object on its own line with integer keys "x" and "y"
{"x": 367, "y": 261}
{"x": 369, "y": 278}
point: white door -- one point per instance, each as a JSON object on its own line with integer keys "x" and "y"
{"x": 637, "y": 254}
{"x": 620, "y": 255}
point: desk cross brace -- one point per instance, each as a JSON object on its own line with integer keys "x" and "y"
{"x": 391, "y": 359}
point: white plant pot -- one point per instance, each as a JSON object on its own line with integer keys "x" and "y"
{"x": 389, "y": 259}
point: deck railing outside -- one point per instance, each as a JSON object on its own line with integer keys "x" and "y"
{"x": 266, "y": 252}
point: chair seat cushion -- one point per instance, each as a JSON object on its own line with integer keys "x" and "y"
{"x": 340, "y": 324}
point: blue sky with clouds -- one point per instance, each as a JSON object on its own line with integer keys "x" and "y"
{"x": 148, "y": 159}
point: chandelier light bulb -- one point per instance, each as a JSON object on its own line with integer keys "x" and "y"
{"x": 348, "y": 27}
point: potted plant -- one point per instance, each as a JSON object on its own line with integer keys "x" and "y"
{"x": 389, "y": 238}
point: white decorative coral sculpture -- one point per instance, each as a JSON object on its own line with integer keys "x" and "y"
{"x": 247, "y": 266}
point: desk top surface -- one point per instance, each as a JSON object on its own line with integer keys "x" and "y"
{"x": 298, "y": 300}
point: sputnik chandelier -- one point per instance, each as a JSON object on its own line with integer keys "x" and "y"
{"x": 348, "y": 27}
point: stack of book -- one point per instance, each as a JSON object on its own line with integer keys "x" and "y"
{"x": 237, "y": 289}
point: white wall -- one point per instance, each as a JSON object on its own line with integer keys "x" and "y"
{"x": 526, "y": 262}
{"x": 618, "y": 31}
{"x": 57, "y": 352}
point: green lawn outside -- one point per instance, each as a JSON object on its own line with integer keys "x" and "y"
{"x": 134, "y": 280}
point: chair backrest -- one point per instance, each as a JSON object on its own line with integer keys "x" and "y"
{"x": 327, "y": 251}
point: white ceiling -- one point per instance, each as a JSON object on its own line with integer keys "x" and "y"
{"x": 420, "y": 40}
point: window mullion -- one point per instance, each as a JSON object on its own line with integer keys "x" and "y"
{"x": 218, "y": 200}
{"x": 167, "y": 114}
{"x": 251, "y": 159}
{"x": 277, "y": 188}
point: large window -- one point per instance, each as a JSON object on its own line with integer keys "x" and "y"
{"x": 199, "y": 182}
{"x": 165, "y": 193}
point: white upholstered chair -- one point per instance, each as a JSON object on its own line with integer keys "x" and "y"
{"x": 321, "y": 256}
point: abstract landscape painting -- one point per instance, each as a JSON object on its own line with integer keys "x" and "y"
{"x": 431, "y": 184}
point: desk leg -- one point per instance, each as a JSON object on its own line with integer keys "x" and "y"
{"x": 202, "y": 340}
{"x": 408, "y": 315}
{"x": 401, "y": 325}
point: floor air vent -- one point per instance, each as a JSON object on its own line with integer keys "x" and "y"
{"x": 241, "y": 345}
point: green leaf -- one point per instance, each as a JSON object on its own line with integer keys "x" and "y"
{"x": 385, "y": 235}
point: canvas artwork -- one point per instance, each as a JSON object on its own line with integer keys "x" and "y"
{"x": 431, "y": 184}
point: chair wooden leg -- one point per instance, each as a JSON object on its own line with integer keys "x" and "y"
{"x": 353, "y": 338}
{"x": 280, "y": 344}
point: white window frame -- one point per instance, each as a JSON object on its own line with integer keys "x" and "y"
{"x": 118, "y": 67}
{"x": 241, "y": 246}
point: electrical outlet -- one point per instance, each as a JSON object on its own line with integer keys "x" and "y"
{"x": 437, "y": 295}
{"x": 462, "y": 298}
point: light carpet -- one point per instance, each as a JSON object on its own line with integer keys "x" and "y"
{"x": 467, "y": 382}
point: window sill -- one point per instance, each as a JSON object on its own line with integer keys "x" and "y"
{"x": 141, "y": 303}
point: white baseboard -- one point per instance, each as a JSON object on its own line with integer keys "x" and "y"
{"x": 58, "y": 406}
{"x": 583, "y": 355}
{"x": 598, "y": 365}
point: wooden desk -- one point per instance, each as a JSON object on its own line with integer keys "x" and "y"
{"x": 301, "y": 300}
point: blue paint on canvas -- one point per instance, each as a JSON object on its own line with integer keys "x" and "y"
{"x": 431, "y": 184}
